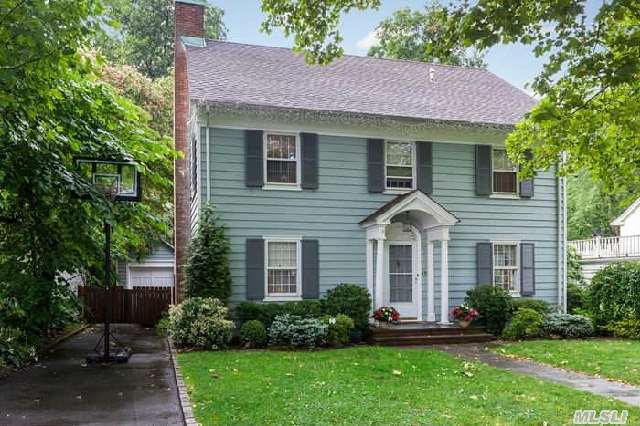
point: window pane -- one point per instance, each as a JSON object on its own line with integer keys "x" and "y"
{"x": 399, "y": 171}
{"x": 127, "y": 179}
{"x": 401, "y": 183}
{"x": 504, "y": 255}
{"x": 282, "y": 255}
{"x": 281, "y": 146}
{"x": 505, "y": 182}
{"x": 400, "y": 288}
{"x": 506, "y": 278}
{"x": 281, "y": 171}
{"x": 400, "y": 259}
{"x": 501, "y": 160}
{"x": 282, "y": 281}
{"x": 400, "y": 153}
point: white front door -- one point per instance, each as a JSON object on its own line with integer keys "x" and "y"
{"x": 402, "y": 278}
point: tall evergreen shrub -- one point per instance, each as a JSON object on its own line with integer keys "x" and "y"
{"x": 208, "y": 271}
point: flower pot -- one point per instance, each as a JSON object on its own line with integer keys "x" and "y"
{"x": 463, "y": 323}
{"x": 383, "y": 324}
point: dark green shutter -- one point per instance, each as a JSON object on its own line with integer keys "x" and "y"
{"x": 375, "y": 155}
{"x": 527, "y": 269}
{"x": 309, "y": 160}
{"x": 484, "y": 263}
{"x": 255, "y": 269}
{"x": 310, "y": 269}
{"x": 254, "y": 174}
{"x": 483, "y": 169}
{"x": 424, "y": 156}
{"x": 526, "y": 186}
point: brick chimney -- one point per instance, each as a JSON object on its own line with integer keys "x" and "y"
{"x": 189, "y": 19}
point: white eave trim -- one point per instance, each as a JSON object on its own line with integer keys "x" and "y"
{"x": 619, "y": 221}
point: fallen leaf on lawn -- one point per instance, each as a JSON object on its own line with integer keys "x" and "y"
{"x": 289, "y": 374}
{"x": 474, "y": 397}
{"x": 397, "y": 373}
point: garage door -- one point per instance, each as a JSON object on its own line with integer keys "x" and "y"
{"x": 150, "y": 276}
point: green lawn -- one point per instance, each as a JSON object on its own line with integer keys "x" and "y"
{"x": 613, "y": 359}
{"x": 369, "y": 385}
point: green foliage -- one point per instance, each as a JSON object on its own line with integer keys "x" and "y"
{"x": 614, "y": 293}
{"x": 15, "y": 349}
{"x": 574, "y": 267}
{"x": 266, "y": 312}
{"x": 141, "y": 34}
{"x": 162, "y": 327}
{"x": 494, "y": 304}
{"x": 628, "y": 328}
{"x": 405, "y": 34}
{"x": 340, "y": 328}
{"x": 200, "y": 322}
{"x": 295, "y": 331}
{"x": 568, "y": 326}
{"x": 540, "y": 306}
{"x": 525, "y": 323}
{"x": 208, "y": 271}
{"x": 351, "y": 300}
{"x": 253, "y": 334}
{"x": 590, "y": 209}
{"x": 576, "y": 297}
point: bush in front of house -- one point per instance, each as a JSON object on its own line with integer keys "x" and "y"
{"x": 628, "y": 328}
{"x": 576, "y": 298}
{"x": 339, "y": 329}
{"x": 267, "y": 312}
{"x": 568, "y": 326}
{"x": 200, "y": 322}
{"x": 253, "y": 334}
{"x": 540, "y": 306}
{"x": 525, "y": 323}
{"x": 15, "y": 350}
{"x": 494, "y": 304}
{"x": 351, "y": 300}
{"x": 295, "y": 331}
{"x": 208, "y": 271}
{"x": 614, "y": 294}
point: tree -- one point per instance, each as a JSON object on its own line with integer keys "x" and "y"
{"x": 589, "y": 85}
{"x": 208, "y": 272}
{"x": 54, "y": 109}
{"x": 141, "y": 34}
{"x": 405, "y": 34}
{"x": 590, "y": 209}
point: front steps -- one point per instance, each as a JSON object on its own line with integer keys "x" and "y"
{"x": 422, "y": 333}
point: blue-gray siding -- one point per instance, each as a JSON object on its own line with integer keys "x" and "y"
{"x": 332, "y": 212}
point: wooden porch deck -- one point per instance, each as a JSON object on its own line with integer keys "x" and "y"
{"x": 426, "y": 333}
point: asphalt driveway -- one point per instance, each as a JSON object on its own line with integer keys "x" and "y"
{"x": 63, "y": 390}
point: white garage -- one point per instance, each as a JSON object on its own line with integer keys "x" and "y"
{"x": 155, "y": 270}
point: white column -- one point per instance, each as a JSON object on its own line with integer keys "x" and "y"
{"x": 379, "y": 273}
{"x": 370, "y": 266}
{"x": 444, "y": 282}
{"x": 431, "y": 316}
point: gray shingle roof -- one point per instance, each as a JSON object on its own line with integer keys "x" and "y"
{"x": 240, "y": 74}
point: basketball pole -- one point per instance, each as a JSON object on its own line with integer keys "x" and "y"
{"x": 107, "y": 291}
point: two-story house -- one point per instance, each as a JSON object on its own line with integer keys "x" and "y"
{"x": 389, "y": 174}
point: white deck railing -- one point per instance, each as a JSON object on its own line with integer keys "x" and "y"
{"x": 600, "y": 247}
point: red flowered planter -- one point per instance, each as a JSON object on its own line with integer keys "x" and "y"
{"x": 386, "y": 315}
{"x": 464, "y": 314}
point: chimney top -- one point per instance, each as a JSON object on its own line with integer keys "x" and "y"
{"x": 190, "y": 18}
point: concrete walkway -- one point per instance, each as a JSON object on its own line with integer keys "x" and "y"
{"x": 610, "y": 389}
{"x": 63, "y": 390}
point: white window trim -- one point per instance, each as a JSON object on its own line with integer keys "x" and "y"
{"x": 518, "y": 289}
{"x": 282, "y": 297}
{"x": 503, "y": 195}
{"x": 391, "y": 190}
{"x": 280, "y": 186}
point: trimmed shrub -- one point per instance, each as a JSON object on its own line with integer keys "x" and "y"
{"x": 339, "y": 331}
{"x": 525, "y": 323}
{"x": 162, "y": 326}
{"x": 253, "y": 334}
{"x": 540, "y": 306}
{"x": 208, "y": 272}
{"x": 494, "y": 304}
{"x": 200, "y": 322}
{"x": 626, "y": 329}
{"x": 614, "y": 294}
{"x": 567, "y": 325}
{"x": 266, "y": 312}
{"x": 294, "y": 331}
{"x": 576, "y": 298}
{"x": 351, "y": 300}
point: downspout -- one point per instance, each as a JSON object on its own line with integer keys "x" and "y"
{"x": 562, "y": 239}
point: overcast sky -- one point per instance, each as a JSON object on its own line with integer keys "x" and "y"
{"x": 515, "y": 63}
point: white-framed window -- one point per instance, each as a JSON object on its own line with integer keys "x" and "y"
{"x": 282, "y": 159}
{"x": 505, "y": 173}
{"x": 399, "y": 165}
{"x": 283, "y": 268}
{"x": 506, "y": 266}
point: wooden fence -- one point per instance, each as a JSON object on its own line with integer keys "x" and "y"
{"x": 140, "y": 305}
